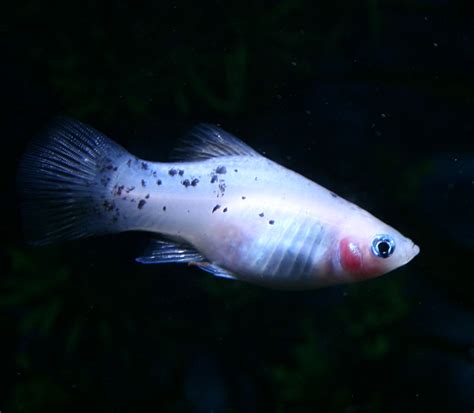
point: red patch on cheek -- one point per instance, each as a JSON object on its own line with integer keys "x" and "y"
{"x": 351, "y": 256}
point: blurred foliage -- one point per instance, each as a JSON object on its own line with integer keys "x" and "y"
{"x": 55, "y": 321}
{"x": 37, "y": 394}
{"x": 41, "y": 291}
{"x": 33, "y": 290}
{"x": 107, "y": 60}
{"x": 367, "y": 316}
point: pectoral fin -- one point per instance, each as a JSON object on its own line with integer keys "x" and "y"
{"x": 215, "y": 270}
{"x": 162, "y": 252}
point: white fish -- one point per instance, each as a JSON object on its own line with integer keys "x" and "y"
{"x": 222, "y": 207}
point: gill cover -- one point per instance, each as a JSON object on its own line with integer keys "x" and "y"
{"x": 351, "y": 256}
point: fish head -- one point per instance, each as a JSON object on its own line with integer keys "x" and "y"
{"x": 366, "y": 248}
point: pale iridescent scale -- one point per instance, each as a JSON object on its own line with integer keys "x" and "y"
{"x": 257, "y": 220}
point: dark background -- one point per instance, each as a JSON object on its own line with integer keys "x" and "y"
{"x": 373, "y": 99}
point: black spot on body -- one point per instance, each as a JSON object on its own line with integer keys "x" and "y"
{"x": 222, "y": 187}
{"x": 271, "y": 222}
{"x": 214, "y": 179}
{"x": 181, "y": 172}
{"x": 144, "y": 166}
{"x": 143, "y": 183}
{"x": 224, "y": 210}
{"x": 147, "y": 196}
{"x": 194, "y": 182}
{"x": 129, "y": 162}
{"x": 164, "y": 208}
{"x": 215, "y": 208}
{"x": 236, "y": 170}
{"x": 130, "y": 189}
{"x": 115, "y": 168}
{"x": 333, "y": 194}
{"x": 172, "y": 172}
{"x": 141, "y": 204}
{"x": 154, "y": 174}
{"x": 221, "y": 170}
{"x": 186, "y": 183}
{"x": 108, "y": 206}
{"x": 159, "y": 182}
{"x": 244, "y": 197}
{"x": 119, "y": 190}
{"x": 261, "y": 215}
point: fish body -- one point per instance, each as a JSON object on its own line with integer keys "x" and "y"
{"x": 222, "y": 207}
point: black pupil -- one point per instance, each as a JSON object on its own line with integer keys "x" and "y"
{"x": 384, "y": 248}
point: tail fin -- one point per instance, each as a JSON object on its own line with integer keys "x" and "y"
{"x": 63, "y": 180}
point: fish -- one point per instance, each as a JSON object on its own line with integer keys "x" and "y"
{"x": 217, "y": 205}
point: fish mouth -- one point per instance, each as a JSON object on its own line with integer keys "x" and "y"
{"x": 416, "y": 250}
{"x": 412, "y": 252}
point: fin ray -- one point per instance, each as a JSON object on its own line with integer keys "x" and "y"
{"x": 162, "y": 252}
{"x": 207, "y": 141}
{"x": 166, "y": 252}
{"x": 217, "y": 271}
{"x": 58, "y": 182}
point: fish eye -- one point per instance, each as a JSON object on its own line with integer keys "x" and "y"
{"x": 383, "y": 246}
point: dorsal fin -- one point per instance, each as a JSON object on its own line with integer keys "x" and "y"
{"x": 206, "y": 141}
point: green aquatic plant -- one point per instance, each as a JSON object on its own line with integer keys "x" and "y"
{"x": 33, "y": 293}
{"x": 321, "y": 366}
{"x": 370, "y": 312}
{"x": 155, "y": 57}
{"x": 309, "y": 379}
{"x": 49, "y": 299}
{"x": 38, "y": 393}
